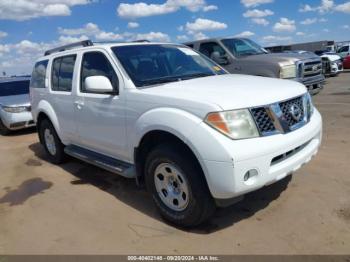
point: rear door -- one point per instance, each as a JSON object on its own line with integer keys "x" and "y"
{"x": 61, "y": 98}
{"x": 101, "y": 117}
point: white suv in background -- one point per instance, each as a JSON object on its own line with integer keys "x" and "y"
{"x": 168, "y": 116}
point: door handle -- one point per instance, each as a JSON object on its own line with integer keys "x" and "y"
{"x": 79, "y": 104}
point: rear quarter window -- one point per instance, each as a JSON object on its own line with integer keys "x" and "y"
{"x": 39, "y": 75}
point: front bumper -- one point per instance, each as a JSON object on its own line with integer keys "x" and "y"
{"x": 313, "y": 84}
{"x": 226, "y": 165}
{"x": 15, "y": 121}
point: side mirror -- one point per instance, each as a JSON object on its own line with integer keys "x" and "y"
{"x": 98, "y": 84}
{"x": 221, "y": 60}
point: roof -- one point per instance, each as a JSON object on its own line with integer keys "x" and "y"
{"x": 87, "y": 45}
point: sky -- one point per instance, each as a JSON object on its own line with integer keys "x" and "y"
{"x": 29, "y": 27}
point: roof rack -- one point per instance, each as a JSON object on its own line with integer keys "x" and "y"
{"x": 69, "y": 46}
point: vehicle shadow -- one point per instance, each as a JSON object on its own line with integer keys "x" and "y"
{"x": 125, "y": 190}
{"x": 22, "y": 132}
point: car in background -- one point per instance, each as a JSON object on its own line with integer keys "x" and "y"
{"x": 243, "y": 56}
{"x": 334, "y": 62}
{"x": 344, "y": 51}
{"x": 15, "y": 104}
{"x": 346, "y": 62}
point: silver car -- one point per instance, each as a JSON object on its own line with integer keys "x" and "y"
{"x": 14, "y": 104}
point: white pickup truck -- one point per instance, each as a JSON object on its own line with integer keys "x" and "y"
{"x": 171, "y": 118}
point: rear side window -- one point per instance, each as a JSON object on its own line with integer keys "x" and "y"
{"x": 62, "y": 73}
{"x": 96, "y": 64}
{"x": 39, "y": 75}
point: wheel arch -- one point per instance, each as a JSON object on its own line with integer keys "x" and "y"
{"x": 157, "y": 137}
{"x": 45, "y": 110}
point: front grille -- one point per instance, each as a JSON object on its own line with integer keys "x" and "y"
{"x": 263, "y": 120}
{"x": 286, "y": 107}
{"x": 281, "y": 114}
{"x": 312, "y": 68}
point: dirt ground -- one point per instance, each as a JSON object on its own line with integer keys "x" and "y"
{"x": 76, "y": 208}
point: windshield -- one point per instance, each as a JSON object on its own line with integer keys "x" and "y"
{"x": 155, "y": 64}
{"x": 243, "y": 47}
{"x": 14, "y": 88}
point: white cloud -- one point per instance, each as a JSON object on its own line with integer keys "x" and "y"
{"x": 254, "y": 3}
{"x": 182, "y": 38}
{"x": 309, "y": 21}
{"x": 210, "y": 8}
{"x": 346, "y": 27}
{"x": 245, "y": 34}
{"x": 326, "y": 30}
{"x": 300, "y": 33}
{"x": 3, "y": 34}
{"x": 201, "y": 24}
{"x": 324, "y": 7}
{"x": 260, "y": 21}
{"x": 141, "y": 9}
{"x": 152, "y": 36}
{"x": 63, "y": 39}
{"x": 88, "y": 29}
{"x": 272, "y": 38}
{"x": 256, "y": 13}
{"x": 4, "y": 49}
{"x": 344, "y": 8}
{"x": 133, "y": 25}
{"x": 199, "y": 36}
{"x": 284, "y": 25}
{"x": 21, "y": 10}
{"x": 91, "y": 30}
{"x": 323, "y": 20}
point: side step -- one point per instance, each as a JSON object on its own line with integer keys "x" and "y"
{"x": 105, "y": 162}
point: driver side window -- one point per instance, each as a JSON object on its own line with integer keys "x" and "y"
{"x": 97, "y": 64}
{"x": 209, "y": 48}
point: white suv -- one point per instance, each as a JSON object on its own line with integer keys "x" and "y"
{"x": 167, "y": 116}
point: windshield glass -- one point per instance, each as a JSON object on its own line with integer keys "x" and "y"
{"x": 14, "y": 88}
{"x": 155, "y": 64}
{"x": 243, "y": 47}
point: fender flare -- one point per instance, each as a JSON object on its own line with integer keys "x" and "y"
{"x": 46, "y": 108}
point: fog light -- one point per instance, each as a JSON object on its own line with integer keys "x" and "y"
{"x": 251, "y": 173}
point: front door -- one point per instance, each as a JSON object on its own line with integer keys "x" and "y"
{"x": 101, "y": 117}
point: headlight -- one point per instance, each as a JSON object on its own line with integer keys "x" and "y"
{"x": 15, "y": 109}
{"x": 236, "y": 124}
{"x": 289, "y": 71}
{"x": 309, "y": 105}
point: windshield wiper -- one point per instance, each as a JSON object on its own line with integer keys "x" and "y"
{"x": 169, "y": 79}
{"x": 197, "y": 75}
{"x": 160, "y": 80}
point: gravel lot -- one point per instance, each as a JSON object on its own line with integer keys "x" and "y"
{"x": 76, "y": 208}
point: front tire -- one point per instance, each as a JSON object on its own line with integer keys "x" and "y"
{"x": 178, "y": 186}
{"x": 4, "y": 131}
{"x": 51, "y": 142}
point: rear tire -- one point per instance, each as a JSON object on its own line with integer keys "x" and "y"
{"x": 178, "y": 186}
{"x": 51, "y": 142}
{"x": 4, "y": 131}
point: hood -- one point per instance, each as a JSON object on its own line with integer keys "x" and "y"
{"x": 285, "y": 58}
{"x": 225, "y": 91}
{"x": 332, "y": 57}
{"x": 17, "y": 100}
